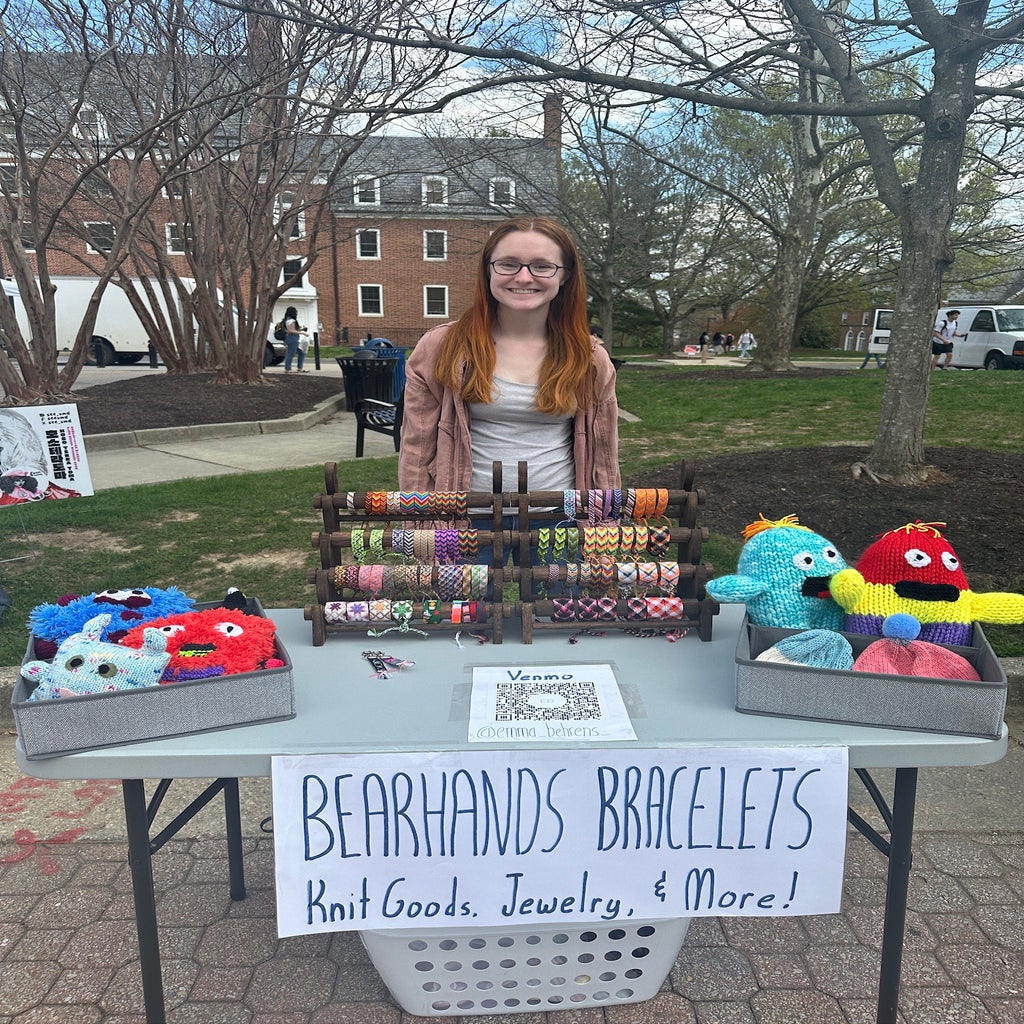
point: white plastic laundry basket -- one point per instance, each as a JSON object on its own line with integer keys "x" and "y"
{"x": 434, "y": 973}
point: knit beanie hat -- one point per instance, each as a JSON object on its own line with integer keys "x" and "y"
{"x": 817, "y": 648}
{"x": 899, "y": 652}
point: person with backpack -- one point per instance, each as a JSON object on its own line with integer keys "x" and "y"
{"x": 943, "y": 334}
{"x": 293, "y": 335}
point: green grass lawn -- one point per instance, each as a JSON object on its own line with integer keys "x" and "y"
{"x": 253, "y": 530}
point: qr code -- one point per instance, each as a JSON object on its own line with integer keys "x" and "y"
{"x": 543, "y": 702}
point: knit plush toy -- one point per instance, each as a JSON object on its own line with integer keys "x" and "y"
{"x": 914, "y": 569}
{"x": 85, "y": 664}
{"x": 212, "y": 642}
{"x": 125, "y": 608}
{"x": 783, "y": 575}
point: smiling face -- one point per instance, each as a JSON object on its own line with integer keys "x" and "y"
{"x": 523, "y": 292}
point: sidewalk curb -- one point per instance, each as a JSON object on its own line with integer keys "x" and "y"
{"x": 171, "y": 435}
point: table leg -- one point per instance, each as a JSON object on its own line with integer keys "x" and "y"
{"x": 233, "y": 828}
{"x": 140, "y": 859}
{"x": 897, "y": 885}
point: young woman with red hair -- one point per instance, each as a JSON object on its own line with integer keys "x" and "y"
{"x": 516, "y": 377}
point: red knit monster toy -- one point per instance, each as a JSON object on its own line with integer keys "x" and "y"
{"x": 914, "y": 569}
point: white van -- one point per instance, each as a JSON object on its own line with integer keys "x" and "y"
{"x": 995, "y": 336}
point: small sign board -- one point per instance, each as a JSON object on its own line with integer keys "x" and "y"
{"x": 42, "y": 455}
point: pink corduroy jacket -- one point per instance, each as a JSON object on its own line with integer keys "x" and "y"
{"x": 435, "y": 450}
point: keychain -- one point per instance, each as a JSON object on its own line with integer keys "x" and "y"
{"x": 382, "y": 663}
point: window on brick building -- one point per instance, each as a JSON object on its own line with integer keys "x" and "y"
{"x": 292, "y": 272}
{"x": 297, "y": 222}
{"x": 28, "y": 238}
{"x": 9, "y": 179}
{"x": 865, "y": 319}
{"x": 371, "y": 300}
{"x": 435, "y": 191}
{"x": 90, "y": 124}
{"x": 366, "y": 190}
{"x": 435, "y": 245}
{"x": 176, "y": 238}
{"x": 501, "y": 191}
{"x": 435, "y": 300}
{"x": 844, "y": 318}
{"x": 368, "y": 244}
{"x": 99, "y": 235}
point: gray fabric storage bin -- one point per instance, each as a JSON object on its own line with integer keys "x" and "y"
{"x": 958, "y": 706}
{"x": 50, "y": 728}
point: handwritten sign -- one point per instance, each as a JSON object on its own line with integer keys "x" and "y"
{"x": 493, "y": 837}
{"x": 547, "y": 703}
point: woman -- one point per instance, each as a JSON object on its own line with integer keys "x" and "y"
{"x": 516, "y": 377}
{"x": 292, "y": 335}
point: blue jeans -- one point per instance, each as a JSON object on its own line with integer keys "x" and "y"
{"x": 292, "y": 349}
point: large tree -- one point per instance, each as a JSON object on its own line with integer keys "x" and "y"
{"x": 833, "y": 53}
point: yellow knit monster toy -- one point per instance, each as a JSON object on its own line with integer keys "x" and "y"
{"x": 914, "y": 569}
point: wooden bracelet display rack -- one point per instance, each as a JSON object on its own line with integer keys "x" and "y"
{"x": 627, "y": 560}
{"x": 394, "y": 561}
{"x": 607, "y": 559}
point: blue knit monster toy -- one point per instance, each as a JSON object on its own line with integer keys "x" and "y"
{"x": 783, "y": 575}
{"x": 126, "y": 607}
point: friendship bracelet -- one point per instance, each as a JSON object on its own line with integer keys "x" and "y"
{"x": 336, "y": 611}
{"x": 358, "y": 544}
{"x": 377, "y": 545}
{"x": 569, "y": 504}
{"x": 380, "y": 610}
{"x": 468, "y": 543}
{"x": 616, "y": 505}
{"x": 351, "y": 577}
{"x": 664, "y": 607}
{"x": 339, "y": 576}
{"x": 391, "y": 502}
{"x": 659, "y": 538}
{"x": 478, "y": 577}
{"x": 572, "y": 544}
{"x": 558, "y": 550}
{"x": 543, "y": 543}
{"x": 647, "y": 574}
{"x": 629, "y": 504}
{"x": 636, "y": 608}
{"x": 358, "y": 611}
{"x": 432, "y": 611}
{"x": 627, "y": 577}
{"x": 382, "y": 663}
{"x": 668, "y": 577}
{"x": 350, "y": 500}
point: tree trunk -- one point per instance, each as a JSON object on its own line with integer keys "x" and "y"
{"x": 774, "y": 348}
{"x": 898, "y": 450}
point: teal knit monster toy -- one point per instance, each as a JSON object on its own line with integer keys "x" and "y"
{"x": 783, "y": 575}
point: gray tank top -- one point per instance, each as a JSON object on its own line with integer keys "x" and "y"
{"x": 511, "y": 428}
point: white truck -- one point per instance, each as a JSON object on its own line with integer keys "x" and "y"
{"x": 118, "y": 334}
{"x": 994, "y": 335}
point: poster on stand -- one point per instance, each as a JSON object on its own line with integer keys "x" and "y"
{"x": 42, "y": 455}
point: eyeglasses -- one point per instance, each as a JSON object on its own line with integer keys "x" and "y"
{"x": 539, "y": 268}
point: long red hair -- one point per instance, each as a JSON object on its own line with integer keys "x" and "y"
{"x": 465, "y": 362}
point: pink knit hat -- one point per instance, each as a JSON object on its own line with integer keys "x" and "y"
{"x": 899, "y": 652}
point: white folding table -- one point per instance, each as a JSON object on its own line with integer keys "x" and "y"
{"x": 678, "y": 694}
